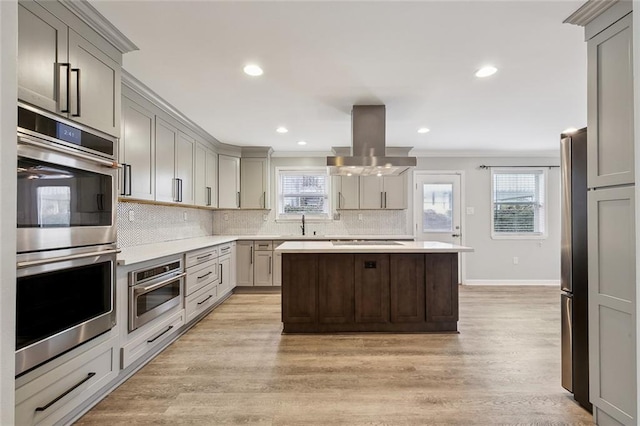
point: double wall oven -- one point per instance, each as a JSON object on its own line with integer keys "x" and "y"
{"x": 66, "y": 229}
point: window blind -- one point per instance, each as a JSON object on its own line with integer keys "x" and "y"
{"x": 518, "y": 202}
{"x": 303, "y": 192}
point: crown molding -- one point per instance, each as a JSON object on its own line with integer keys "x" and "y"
{"x": 146, "y": 92}
{"x": 589, "y": 11}
{"x": 486, "y": 154}
{"x": 100, "y": 24}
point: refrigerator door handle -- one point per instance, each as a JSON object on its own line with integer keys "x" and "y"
{"x": 565, "y": 207}
{"x": 566, "y": 341}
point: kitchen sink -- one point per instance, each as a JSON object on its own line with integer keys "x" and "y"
{"x": 366, "y": 243}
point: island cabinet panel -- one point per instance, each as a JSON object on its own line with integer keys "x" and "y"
{"x": 300, "y": 273}
{"x": 335, "y": 289}
{"x": 442, "y": 286}
{"x": 407, "y": 285}
{"x": 372, "y": 288}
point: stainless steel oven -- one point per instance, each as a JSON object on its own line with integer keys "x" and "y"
{"x": 64, "y": 298}
{"x": 66, "y": 183}
{"x": 154, "y": 291}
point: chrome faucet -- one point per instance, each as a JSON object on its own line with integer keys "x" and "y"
{"x": 302, "y": 227}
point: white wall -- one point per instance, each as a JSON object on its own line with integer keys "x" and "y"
{"x": 8, "y": 121}
{"x": 492, "y": 260}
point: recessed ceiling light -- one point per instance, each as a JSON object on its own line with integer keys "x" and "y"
{"x": 282, "y": 129}
{"x": 349, "y": 174}
{"x": 379, "y": 174}
{"x": 423, "y": 130}
{"x": 486, "y": 71}
{"x": 302, "y": 143}
{"x": 253, "y": 70}
{"x": 569, "y": 130}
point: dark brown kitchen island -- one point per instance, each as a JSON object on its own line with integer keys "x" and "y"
{"x": 387, "y": 287}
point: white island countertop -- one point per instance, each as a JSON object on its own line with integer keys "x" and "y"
{"x": 370, "y": 247}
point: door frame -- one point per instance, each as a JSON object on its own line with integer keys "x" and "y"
{"x": 462, "y": 272}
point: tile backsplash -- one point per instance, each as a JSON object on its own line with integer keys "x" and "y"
{"x": 154, "y": 224}
{"x": 262, "y": 222}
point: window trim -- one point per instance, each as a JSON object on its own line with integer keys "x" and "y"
{"x": 282, "y": 217}
{"x": 521, "y": 235}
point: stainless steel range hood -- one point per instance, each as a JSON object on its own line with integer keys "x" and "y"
{"x": 368, "y": 150}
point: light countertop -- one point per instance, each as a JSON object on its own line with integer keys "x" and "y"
{"x": 145, "y": 252}
{"x": 401, "y": 247}
{"x": 142, "y": 253}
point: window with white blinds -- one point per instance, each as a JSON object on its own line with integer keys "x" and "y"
{"x": 303, "y": 191}
{"x": 518, "y": 207}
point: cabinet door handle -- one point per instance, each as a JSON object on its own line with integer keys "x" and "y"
{"x": 129, "y": 175}
{"x": 124, "y": 179}
{"x": 238, "y": 199}
{"x": 175, "y": 190}
{"x": 339, "y": 199}
{"x": 251, "y": 255}
{"x": 67, "y": 392}
{"x": 68, "y": 91}
{"x": 221, "y": 269}
{"x": 382, "y": 200}
{"x": 158, "y": 336}
{"x": 269, "y": 265}
{"x": 385, "y": 199}
{"x": 264, "y": 200}
{"x": 180, "y": 181}
{"x": 208, "y": 195}
{"x": 455, "y": 235}
{"x": 77, "y": 71}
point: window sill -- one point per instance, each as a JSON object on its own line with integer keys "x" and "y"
{"x": 519, "y": 237}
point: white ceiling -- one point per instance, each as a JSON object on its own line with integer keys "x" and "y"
{"x": 320, "y": 58}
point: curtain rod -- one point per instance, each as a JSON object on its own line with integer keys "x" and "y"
{"x": 483, "y": 166}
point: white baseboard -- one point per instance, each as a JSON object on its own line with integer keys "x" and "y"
{"x": 555, "y": 283}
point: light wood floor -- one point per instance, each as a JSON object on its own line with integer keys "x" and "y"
{"x": 235, "y": 367}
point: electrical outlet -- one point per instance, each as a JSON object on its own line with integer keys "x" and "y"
{"x": 225, "y": 216}
{"x": 265, "y": 217}
{"x": 131, "y": 216}
{"x": 471, "y": 211}
{"x": 515, "y": 260}
{"x": 359, "y": 216}
{"x": 336, "y": 216}
{"x": 184, "y": 216}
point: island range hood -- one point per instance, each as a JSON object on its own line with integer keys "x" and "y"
{"x": 368, "y": 151}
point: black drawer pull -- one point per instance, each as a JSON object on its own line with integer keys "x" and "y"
{"x": 210, "y": 296}
{"x": 205, "y": 275}
{"x": 67, "y": 392}
{"x": 158, "y": 336}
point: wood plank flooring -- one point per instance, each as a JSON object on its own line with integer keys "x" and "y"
{"x": 235, "y": 367}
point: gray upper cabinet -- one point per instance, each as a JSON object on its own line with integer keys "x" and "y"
{"x": 610, "y": 100}
{"x": 174, "y": 164}
{"x": 137, "y": 150}
{"x": 385, "y": 192}
{"x": 61, "y": 71}
{"x": 254, "y": 178}
{"x": 206, "y": 174}
{"x": 95, "y": 86}
{"x": 228, "y": 182}
{"x": 347, "y": 192}
{"x": 166, "y": 141}
{"x": 42, "y": 48}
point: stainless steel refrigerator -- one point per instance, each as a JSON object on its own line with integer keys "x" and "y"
{"x": 573, "y": 265}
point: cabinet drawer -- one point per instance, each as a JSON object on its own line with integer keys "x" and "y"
{"x": 263, "y": 245}
{"x": 48, "y": 398}
{"x": 198, "y": 256}
{"x": 201, "y": 275}
{"x": 200, "y": 301}
{"x": 150, "y": 338}
{"x": 224, "y": 249}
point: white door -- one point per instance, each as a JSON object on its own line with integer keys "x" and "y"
{"x": 437, "y": 203}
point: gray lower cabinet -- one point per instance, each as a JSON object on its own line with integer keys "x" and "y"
{"x": 63, "y": 72}
{"x": 263, "y": 270}
{"x": 277, "y": 269}
{"x": 48, "y": 398}
{"x": 245, "y": 263}
{"x": 612, "y": 303}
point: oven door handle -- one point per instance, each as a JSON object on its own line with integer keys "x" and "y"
{"x": 50, "y": 147}
{"x": 147, "y": 289}
{"x": 28, "y": 263}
